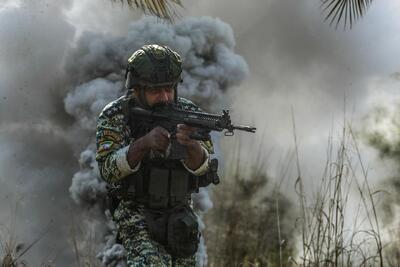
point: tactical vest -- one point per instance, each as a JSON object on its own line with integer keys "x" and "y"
{"x": 159, "y": 183}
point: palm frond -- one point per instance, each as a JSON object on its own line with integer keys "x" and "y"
{"x": 164, "y": 9}
{"x": 344, "y": 11}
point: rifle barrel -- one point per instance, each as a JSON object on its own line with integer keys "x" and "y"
{"x": 245, "y": 128}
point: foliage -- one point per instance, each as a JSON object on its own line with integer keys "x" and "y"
{"x": 160, "y": 8}
{"x": 12, "y": 251}
{"x": 345, "y": 11}
{"x": 249, "y": 224}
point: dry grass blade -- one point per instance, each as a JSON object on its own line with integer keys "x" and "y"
{"x": 164, "y": 9}
{"x": 345, "y": 11}
{"x": 44, "y": 232}
{"x": 327, "y": 237}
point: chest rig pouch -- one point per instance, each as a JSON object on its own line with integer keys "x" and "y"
{"x": 176, "y": 229}
{"x": 162, "y": 185}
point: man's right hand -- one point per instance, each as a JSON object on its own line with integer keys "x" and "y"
{"x": 157, "y": 139}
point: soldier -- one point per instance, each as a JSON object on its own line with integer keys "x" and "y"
{"x": 151, "y": 193}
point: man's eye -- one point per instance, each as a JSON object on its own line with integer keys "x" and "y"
{"x": 152, "y": 90}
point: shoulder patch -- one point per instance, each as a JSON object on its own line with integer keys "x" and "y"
{"x": 105, "y": 145}
{"x": 115, "y": 106}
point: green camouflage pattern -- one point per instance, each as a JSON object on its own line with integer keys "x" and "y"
{"x": 140, "y": 249}
{"x": 113, "y": 134}
{"x": 155, "y": 65}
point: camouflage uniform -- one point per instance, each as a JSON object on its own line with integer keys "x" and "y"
{"x": 113, "y": 138}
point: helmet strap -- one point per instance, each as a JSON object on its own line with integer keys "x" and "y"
{"x": 176, "y": 93}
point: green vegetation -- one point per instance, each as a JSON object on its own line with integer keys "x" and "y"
{"x": 249, "y": 225}
{"x": 164, "y": 9}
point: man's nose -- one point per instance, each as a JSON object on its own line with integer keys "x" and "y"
{"x": 164, "y": 95}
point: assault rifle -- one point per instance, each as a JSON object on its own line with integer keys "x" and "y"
{"x": 169, "y": 116}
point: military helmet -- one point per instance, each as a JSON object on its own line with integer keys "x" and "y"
{"x": 153, "y": 66}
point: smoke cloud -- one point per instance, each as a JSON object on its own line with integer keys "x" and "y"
{"x": 60, "y": 62}
{"x": 298, "y": 62}
{"x": 58, "y": 79}
{"x": 380, "y": 130}
{"x": 324, "y": 75}
{"x": 36, "y": 158}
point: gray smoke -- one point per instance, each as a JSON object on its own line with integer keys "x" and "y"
{"x": 380, "y": 129}
{"x": 112, "y": 256}
{"x": 36, "y": 159}
{"x": 86, "y": 187}
{"x": 294, "y": 59}
{"x": 53, "y": 86}
{"x": 297, "y": 61}
{"x": 90, "y": 98}
{"x": 210, "y": 66}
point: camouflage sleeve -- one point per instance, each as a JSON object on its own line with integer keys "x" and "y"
{"x": 203, "y": 167}
{"x": 189, "y": 105}
{"x": 207, "y": 145}
{"x": 112, "y": 140}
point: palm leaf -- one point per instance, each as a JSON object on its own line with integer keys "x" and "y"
{"x": 164, "y": 9}
{"x": 344, "y": 11}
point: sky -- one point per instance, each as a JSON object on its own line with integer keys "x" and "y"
{"x": 295, "y": 62}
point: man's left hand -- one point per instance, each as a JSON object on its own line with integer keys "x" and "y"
{"x": 194, "y": 149}
{"x": 183, "y": 133}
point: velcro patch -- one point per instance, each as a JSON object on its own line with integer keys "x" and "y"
{"x": 106, "y": 145}
{"x": 112, "y": 134}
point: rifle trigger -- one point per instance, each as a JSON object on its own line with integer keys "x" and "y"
{"x": 172, "y": 135}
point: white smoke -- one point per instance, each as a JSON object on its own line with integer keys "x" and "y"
{"x": 112, "y": 256}
{"x": 203, "y": 203}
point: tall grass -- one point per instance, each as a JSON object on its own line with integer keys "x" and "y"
{"x": 251, "y": 230}
{"x": 336, "y": 217}
{"x": 251, "y": 222}
{"x": 84, "y": 240}
{"x": 333, "y": 235}
{"x": 12, "y": 250}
